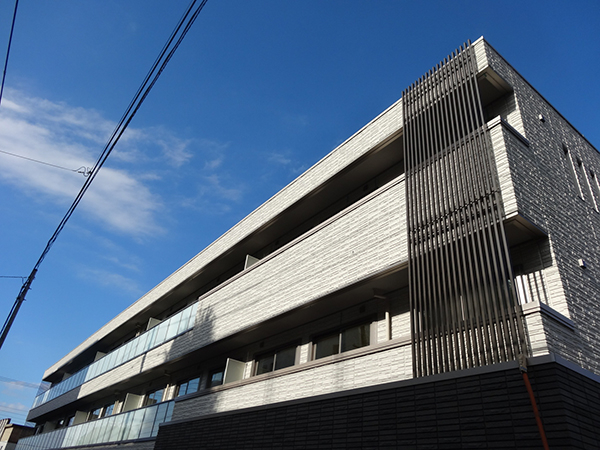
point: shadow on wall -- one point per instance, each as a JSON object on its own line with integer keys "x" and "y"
{"x": 205, "y": 403}
{"x": 531, "y": 266}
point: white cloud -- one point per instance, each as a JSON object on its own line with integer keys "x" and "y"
{"x": 131, "y": 264}
{"x": 124, "y": 196}
{"x": 213, "y": 164}
{"x": 216, "y": 187}
{"x": 279, "y": 158}
{"x": 285, "y": 159}
{"x": 214, "y": 195}
{"x": 13, "y": 407}
{"x": 113, "y": 280}
{"x": 10, "y": 387}
{"x": 175, "y": 150}
{"x": 124, "y": 201}
{"x": 215, "y": 152}
{"x": 73, "y": 137}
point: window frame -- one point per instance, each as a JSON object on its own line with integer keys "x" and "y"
{"x": 110, "y": 407}
{"x": 213, "y": 372}
{"x": 339, "y": 332}
{"x": 572, "y": 169}
{"x": 187, "y": 383}
{"x": 91, "y": 414}
{"x": 273, "y": 353}
{"x": 148, "y": 398}
{"x": 594, "y": 186}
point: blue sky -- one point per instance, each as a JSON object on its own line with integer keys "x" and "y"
{"x": 256, "y": 94}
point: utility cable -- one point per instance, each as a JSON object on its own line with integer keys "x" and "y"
{"x": 20, "y": 383}
{"x": 83, "y": 170}
{"x": 12, "y": 28}
{"x": 13, "y": 276}
{"x": 154, "y": 73}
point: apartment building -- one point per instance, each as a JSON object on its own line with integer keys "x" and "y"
{"x": 410, "y": 290}
{"x": 10, "y": 434}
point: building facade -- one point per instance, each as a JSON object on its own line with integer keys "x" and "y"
{"x": 10, "y": 434}
{"x": 430, "y": 283}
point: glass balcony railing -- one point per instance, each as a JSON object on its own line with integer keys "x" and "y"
{"x": 161, "y": 333}
{"x": 137, "y": 424}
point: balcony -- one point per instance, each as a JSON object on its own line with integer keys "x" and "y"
{"x": 132, "y": 425}
{"x": 168, "y": 329}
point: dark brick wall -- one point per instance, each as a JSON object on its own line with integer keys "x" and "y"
{"x": 482, "y": 411}
{"x": 570, "y": 407}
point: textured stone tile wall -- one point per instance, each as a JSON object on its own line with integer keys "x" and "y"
{"x": 348, "y": 373}
{"x": 544, "y": 186}
{"x": 362, "y": 240}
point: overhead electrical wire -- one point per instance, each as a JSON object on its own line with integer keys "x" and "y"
{"x": 154, "y": 73}
{"x": 83, "y": 170}
{"x": 12, "y": 28}
{"x": 15, "y": 277}
{"x": 20, "y": 383}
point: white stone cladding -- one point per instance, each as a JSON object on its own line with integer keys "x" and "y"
{"x": 550, "y": 332}
{"x": 382, "y": 362}
{"x": 362, "y": 240}
{"x": 505, "y": 176}
{"x": 372, "y": 369}
{"x": 400, "y": 313}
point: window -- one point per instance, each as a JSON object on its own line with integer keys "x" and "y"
{"x": 588, "y": 185}
{"x": 327, "y": 346}
{"x": 276, "y": 360}
{"x": 188, "y": 387}
{"x": 95, "y": 414}
{"x": 343, "y": 341}
{"x": 107, "y": 410}
{"x": 595, "y": 189}
{"x": 572, "y": 170}
{"x": 154, "y": 397}
{"x": 215, "y": 377}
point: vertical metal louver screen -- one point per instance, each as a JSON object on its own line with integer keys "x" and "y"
{"x": 464, "y": 312}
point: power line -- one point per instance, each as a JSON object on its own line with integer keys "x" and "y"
{"x": 19, "y": 383}
{"x": 12, "y": 28}
{"x": 154, "y": 73}
{"x": 15, "y": 276}
{"x": 83, "y": 170}
{"x": 14, "y": 410}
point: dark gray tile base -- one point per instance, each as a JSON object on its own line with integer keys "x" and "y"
{"x": 490, "y": 410}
